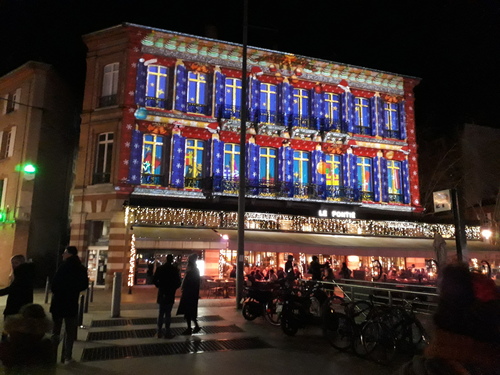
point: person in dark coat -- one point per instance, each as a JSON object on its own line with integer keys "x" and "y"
{"x": 28, "y": 350}
{"x": 20, "y": 290}
{"x": 188, "y": 304}
{"x": 315, "y": 268}
{"x": 70, "y": 279}
{"x": 167, "y": 279}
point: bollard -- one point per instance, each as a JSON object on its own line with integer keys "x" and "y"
{"x": 116, "y": 295}
{"x": 47, "y": 290}
{"x": 80, "y": 311}
{"x": 91, "y": 291}
{"x": 87, "y": 298}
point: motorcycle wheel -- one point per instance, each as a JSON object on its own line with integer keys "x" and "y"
{"x": 289, "y": 325}
{"x": 271, "y": 315}
{"x": 248, "y": 312}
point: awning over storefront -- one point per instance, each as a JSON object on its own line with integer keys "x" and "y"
{"x": 309, "y": 243}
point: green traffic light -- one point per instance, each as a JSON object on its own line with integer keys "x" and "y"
{"x": 3, "y": 216}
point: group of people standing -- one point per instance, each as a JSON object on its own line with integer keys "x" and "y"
{"x": 24, "y": 342}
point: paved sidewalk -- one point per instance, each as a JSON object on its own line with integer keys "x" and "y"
{"x": 252, "y": 346}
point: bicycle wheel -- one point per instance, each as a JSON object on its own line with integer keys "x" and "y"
{"x": 272, "y": 314}
{"x": 379, "y": 342}
{"x": 338, "y": 330}
{"x": 359, "y": 311}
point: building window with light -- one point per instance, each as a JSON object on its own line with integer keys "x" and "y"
{"x": 301, "y": 172}
{"x": 332, "y": 111}
{"x": 193, "y": 166}
{"x": 267, "y": 166}
{"x": 268, "y": 103}
{"x": 362, "y": 122}
{"x": 391, "y": 120}
{"x": 104, "y": 156}
{"x": 333, "y": 176}
{"x": 197, "y": 93}
{"x": 152, "y": 172}
{"x": 109, "y": 89}
{"x": 365, "y": 178}
{"x": 232, "y": 98}
{"x": 7, "y": 137}
{"x": 231, "y": 162}
{"x": 394, "y": 181}
{"x": 157, "y": 86}
{"x": 300, "y": 107}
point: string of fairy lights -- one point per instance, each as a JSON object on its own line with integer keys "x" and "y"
{"x": 183, "y": 217}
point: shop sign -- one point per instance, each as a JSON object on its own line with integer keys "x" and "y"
{"x": 442, "y": 200}
{"x": 337, "y": 214}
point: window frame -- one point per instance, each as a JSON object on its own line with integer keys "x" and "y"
{"x": 157, "y": 142}
{"x": 102, "y": 173}
{"x": 234, "y": 156}
{"x": 360, "y": 167}
{"x": 157, "y": 86}
{"x": 194, "y": 181}
{"x": 332, "y": 165}
{"x": 391, "y": 120}
{"x": 301, "y": 167}
{"x": 394, "y": 167}
{"x": 271, "y": 158}
{"x": 109, "y": 85}
{"x": 301, "y": 106}
{"x": 197, "y": 104}
{"x": 331, "y": 120}
{"x": 362, "y": 115}
{"x": 266, "y": 113}
{"x": 234, "y": 106}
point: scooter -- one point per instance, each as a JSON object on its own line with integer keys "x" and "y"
{"x": 302, "y": 307}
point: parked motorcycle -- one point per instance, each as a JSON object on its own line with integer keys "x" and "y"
{"x": 302, "y": 307}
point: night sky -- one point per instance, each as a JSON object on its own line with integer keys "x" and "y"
{"x": 453, "y": 46}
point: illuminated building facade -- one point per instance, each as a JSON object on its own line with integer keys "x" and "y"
{"x": 327, "y": 144}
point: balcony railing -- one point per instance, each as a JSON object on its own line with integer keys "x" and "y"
{"x": 363, "y": 130}
{"x": 108, "y": 101}
{"x": 396, "y": 134}
{"x": 156, "y": 102}
{"x": 193, "y": 183}
{"x": 101, "y": 178}
{"x": 339, "y": 193}
{"x": 396, "y": 198}
{"x": 151, "y": 179}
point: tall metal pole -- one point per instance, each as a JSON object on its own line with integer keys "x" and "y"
{"x": 460, "y": 237}
{"x": 242, "y": 166}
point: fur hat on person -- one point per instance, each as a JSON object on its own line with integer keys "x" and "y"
{"x": 30, "y": 320}
{"x": 193, "y": 258}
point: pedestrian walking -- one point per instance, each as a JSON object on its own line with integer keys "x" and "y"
{"x": 188, "y": 304}
{"x": 167, "y": 279}
{"x": 315, "y": 268}
{"x": 70, "y": 279}
{"x": 20, "y": 290}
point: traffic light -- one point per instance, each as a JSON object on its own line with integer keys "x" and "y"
{"x": 3, "y": 216}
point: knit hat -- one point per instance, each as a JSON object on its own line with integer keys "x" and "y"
{"x": 31, "y": 319}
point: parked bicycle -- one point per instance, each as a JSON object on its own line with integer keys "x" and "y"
{"x": 301, "y": 307}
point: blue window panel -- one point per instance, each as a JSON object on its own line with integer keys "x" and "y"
{"x": 362, "y": 116}
{"x": 140, "y": 85}
{"x": 232, "y": 98}
{"x": 231, "y": 161}
{"x": 365, "y": 174}
{"x": 135, "y": 165}
{"x": 268, "y": 103}
{"x": 157, "y": 86}
{"x": 301, "y": 167}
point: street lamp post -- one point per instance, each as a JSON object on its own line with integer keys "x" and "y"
{"x": 242, "y": 166}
